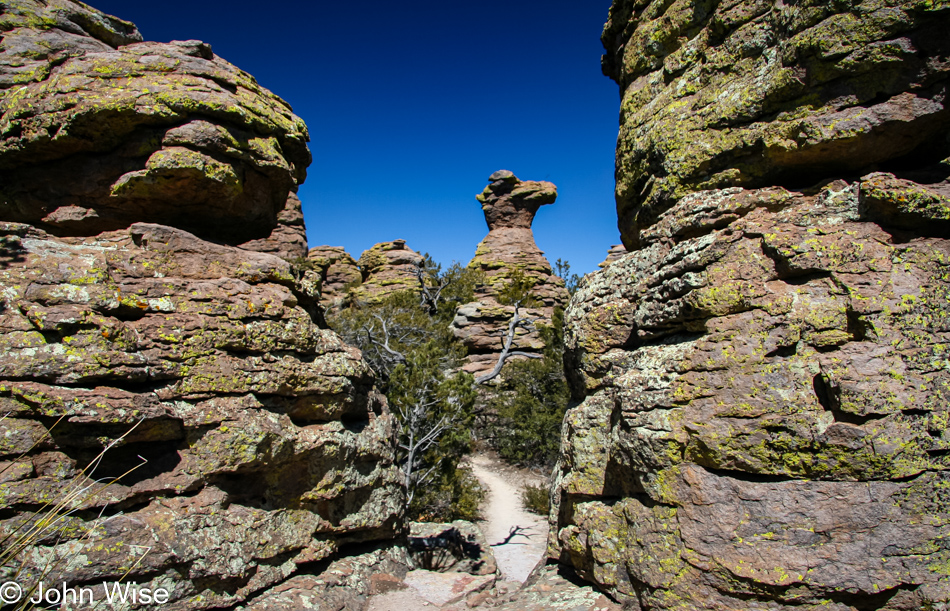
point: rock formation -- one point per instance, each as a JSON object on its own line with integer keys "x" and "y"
{"x": 384, "y": 269}
{"x": 289, "y": 239}
{"x": 387, "y": 267}
{"x": 514, "y": 268}
{"x": 239, "y": 448}
{"x": 613, "y": 253}
{"x": 338, "y": 273}
{"x": 765, "y": 379}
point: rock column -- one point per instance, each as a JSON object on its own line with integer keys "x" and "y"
{"x": 508, "y": 255}
{"x": 206, "y": 434}
{"x": 764, "y": 379}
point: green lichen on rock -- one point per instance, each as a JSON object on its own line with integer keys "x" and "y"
{"x": 768, "y": 367}
{"x": 89, "y": 110}
{"x": 763, "y": 361}
{"x": 162, "y": 361}
{"x": 752, "y": 94}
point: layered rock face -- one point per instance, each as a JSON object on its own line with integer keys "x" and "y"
{"x": 338, "y": 272}
{"x": 174, "y": 392}
{"x": 387, "y": 267}
{"x": 764, "y": 378}
{"x": 384, "y": 269}
{"x": 508, "y": 255}
{"x": 752, "y": 93}
{"x": 136, "y": 131}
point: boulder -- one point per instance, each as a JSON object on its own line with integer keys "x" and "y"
{"x": 173, "y": 402}
{"x": 553, "y": 588}
{"x": 100, "y": 130}
{"x": 762, "y": 381}
{"x": 387, "y": 268}
{"x": 753, "y": 93}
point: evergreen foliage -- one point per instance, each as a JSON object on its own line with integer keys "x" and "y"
{"x": 562, "y": 269}
{"x": 531, "y": 403}
{"x": 408, "y": 343}
{"x": 536, "y": 499}
{"x": 518, "y": 290}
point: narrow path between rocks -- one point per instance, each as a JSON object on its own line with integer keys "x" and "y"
{"x": 518, "y": 551}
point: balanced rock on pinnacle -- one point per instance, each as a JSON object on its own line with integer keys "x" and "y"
{"x": 515, "y": 271}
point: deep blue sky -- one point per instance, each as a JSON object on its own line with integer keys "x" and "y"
{"x": 411, "y": 105}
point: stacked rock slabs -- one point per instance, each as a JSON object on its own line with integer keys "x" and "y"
{"x": 764, "y": 377}
{"x": 213, "y": 435}
{"x": 509, "y": 254}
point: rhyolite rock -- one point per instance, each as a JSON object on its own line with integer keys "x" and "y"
{"x": 553, "y": 588}
{"x": 508, "y": 255}
{"x": 338, "y": 272}
{"x": 384, "y": 269}
{"x": 387, "y": 268}
{"x": 754, "y": 93}
{"x": 763, "y": 380}
{"x": 613, "y": 253}
{"x": 177, "y": 397}
{"x": 99, "y": 130}
{"x": 289, "y": 239}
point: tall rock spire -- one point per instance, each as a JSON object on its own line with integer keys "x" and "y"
{"x": 515, "y": 270}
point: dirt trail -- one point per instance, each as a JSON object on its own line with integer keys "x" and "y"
{"x": 503, "y": 510}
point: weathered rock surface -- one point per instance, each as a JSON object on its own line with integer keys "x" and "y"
{"x": 100, "y": 130}
{"x": 387, "y": 267}
{"x": 441, "y": 589}
{"x": 179, "y": 395}
{"x": 265, "y": 444}
{"x": 613, "y": 253}
{"x": 289, "y": 239}
{"x": 764, "y": 379}
{"x": 346, "y": 584}
{"x": 508, "y": 255}
{"x": 338, "y": 273}
{"x": 553, "y": 588}
{"x": 754, "y": 93}
{"x": 384, "y": 269}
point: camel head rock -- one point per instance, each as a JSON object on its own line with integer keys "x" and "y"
{"x": 511, "y": 263}
{"x": 509, "y": 202}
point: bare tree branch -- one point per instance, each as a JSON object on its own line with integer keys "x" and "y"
{"x": 429, "y": 295}
{"x": 513, "y": 324}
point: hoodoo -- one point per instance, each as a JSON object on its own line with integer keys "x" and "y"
{"x": 764, "y": 379}
{"x": 515, "y": 273}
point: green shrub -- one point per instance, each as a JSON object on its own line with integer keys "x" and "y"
{"x": 457, "y": 496}
{"x": 407, "y": 342}
{"x": 518, "y": 290}
{"x": 536, "y": 499}
{"x": 531, "y": 402}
